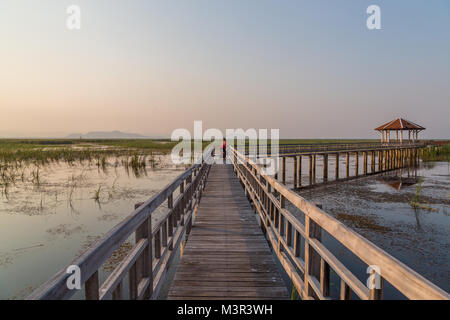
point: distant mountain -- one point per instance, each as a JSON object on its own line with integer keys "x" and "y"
{"x": 106, "y": 135}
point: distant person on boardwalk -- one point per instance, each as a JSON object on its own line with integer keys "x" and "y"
{"x": 224, "y": 148}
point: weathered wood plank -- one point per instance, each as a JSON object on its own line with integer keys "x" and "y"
{"x": 226, "y": 255}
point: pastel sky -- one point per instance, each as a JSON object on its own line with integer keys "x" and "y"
{"x": 310, "y": 68}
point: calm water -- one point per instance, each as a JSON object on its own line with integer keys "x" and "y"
{"x": 45, "y": 224}
{"x": 378, "y": 207}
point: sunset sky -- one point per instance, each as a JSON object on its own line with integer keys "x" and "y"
{"x": 310, "y": 68}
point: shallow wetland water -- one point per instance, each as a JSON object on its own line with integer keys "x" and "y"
{"x": 379, "y": 208}
{"x": 52, "y": 213}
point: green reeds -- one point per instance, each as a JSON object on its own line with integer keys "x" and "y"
{"x": 436, "y": 153}
{"x": 417, "y": 203}
{"x": 97, "y": 194}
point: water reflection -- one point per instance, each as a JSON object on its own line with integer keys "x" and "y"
{"x": 52, "y": 212}
{"x": 400, "y": 178}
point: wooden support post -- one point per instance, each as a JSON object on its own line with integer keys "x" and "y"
{"x": 395, "y": 153}
{"x": 396, "y": 158}
{"x": 380, "y": 161}
{"x": 314, "y": 168}
{"x": 388, "y": 155}
{"x": 310, "y": 169}
{"x": 365, "y": 161}
{"x": 347, "y": 164}
{"x": 299, "y": 171}
{"x": 392, "y": 159}
{"x": 356, "y": 163}
{"x": 337, "y": 167}
{"x": 283, "y": 168}
{"x": 372, "y": 158}
{"x": 295, "y": 172}
{"x": 325, "y": 167}
{"x": 277, "y": 168}
{"x": 388, "y": 159}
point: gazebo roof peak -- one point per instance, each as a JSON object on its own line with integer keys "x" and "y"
{"x": 400, "y": 124}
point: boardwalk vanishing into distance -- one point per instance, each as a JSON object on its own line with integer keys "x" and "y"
{"x": 229, "y": 253}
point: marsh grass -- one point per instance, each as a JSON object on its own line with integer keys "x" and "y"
{"x": 42, "y": 152}
{"x": 417, "y": 203}
{"x": 436, "y": 153}
{"x": 97, "y": 194}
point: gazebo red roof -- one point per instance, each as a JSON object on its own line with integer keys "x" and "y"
{"x": 400, "y": 124}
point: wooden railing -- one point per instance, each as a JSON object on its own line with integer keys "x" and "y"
{"x": 291, "y": 149}
{"x": 381, "y": 160}
{"x": 147, "y": 262}
{"x": 310, "y": 271}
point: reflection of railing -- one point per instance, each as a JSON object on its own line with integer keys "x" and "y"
{"x": 155, "y": 245}
{"x": 309, "y": 269}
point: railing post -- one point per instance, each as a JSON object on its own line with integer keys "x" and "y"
{"x": 324, "y": 278}
{"x": 356, "y": 164}
{"x": 117, "y": 293}
{"x": 170, "y": 219}
{"x": 297, "y": 240}
{"x": 143, "y": 266}
{"x": 312, "y": 258}
{"x": 158, "y": 244}
{"x": 374, "y": 292}
{"x": 91, "y": 287}
{"x": 281, "y": 223}
{"x": 346, "y": 293}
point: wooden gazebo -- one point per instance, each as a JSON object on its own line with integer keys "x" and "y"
{"x": 399, "y": 125}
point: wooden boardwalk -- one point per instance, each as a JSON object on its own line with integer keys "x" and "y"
{"x": 226, "y": 255}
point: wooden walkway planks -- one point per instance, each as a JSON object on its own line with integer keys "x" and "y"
{"x": 226, "y": 255}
